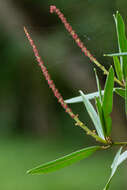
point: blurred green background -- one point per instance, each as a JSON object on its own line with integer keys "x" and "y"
{"x": 34, "y": 127}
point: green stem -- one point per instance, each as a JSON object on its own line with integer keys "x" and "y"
{"x": 89, "y": 132}
{"x": 120, "y": 143}
{"x": 105, "y": 71}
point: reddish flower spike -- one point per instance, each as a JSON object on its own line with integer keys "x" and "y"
{"x": 46, "y": 74}
{"x": 72, "y": 32}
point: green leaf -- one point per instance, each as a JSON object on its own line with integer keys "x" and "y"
{"x": 118, "y": 68}
{"x": 113, "y": 167}
{"x": 101, "y": 115}
{"x": 107, "y": 103}
{"x": 90, "y": 96}
{"x": 122, "y": 41}
{"x": 126, "y": 97}
{"x": 119, "y": 158}
{"x": 93, "y": 115}
{"x": 78, "y": 99}
{"x": 116, "y": 54}
{"x": 98, "y": 86}
{"x": 64, "y": 161}
{"x": 120, "y": 91}
{"x": 122, "y": 157}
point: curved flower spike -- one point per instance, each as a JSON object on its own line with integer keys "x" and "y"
{"x": 78, "y": 41}
{"x": 48, "y": 78}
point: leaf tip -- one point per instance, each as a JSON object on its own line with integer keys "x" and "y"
{"x": 80, "y": 92}
{"x": 29, "y": 172}
{"x": 111, "y": 69}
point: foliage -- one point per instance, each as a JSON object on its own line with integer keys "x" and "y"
{"x": 103, "y": 101}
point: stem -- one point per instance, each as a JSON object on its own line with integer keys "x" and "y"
{"x": 106, "y": 72}
{"x": 88, "y": 131}
{"x": 120, "y": 143}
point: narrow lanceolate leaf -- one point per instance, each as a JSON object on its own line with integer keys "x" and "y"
{"x": 90, "y": 96}
{"x": 113, "y": 167}
{"x": 98, "y": 86}
{"x": 101, "y": 115}
{"x": 122, "y": 41}
{"x": 122, "y": 157}
{"x": 119, "y": 158}
{"x": 78, "y": 99}
{"x": 126, "y": 97}
{"x": 116, "y": 54}
{"x": 107, "y": 103}
{"x": 64, "y": 161}
{"x": 118, "y": 68}
{"x": 93, "y": 114}
{"x": 120, "y": 91}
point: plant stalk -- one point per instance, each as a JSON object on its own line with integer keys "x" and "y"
{"x": 88, "y": 131}
{"x": 120, "y": 143}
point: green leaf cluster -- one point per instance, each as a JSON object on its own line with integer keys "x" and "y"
{"x": 102, "y": 121}
{"x": 121, "y": 64}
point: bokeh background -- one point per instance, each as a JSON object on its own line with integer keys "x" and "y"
{"x": 33, "y": 127}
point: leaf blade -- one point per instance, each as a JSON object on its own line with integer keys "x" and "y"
{"x": 64, "y": 161}
{"x": 78, "y": 99}
{"x": 122, "y": 157}
{"x": 101, "y": 116}
{"x": 107, "y": 103}
{"x": 113, "y": 167}
{"x": 126, "y": 97}
{"x": 98, "y": 86}
{"x": 120, "y": 92}
{"x": 122, "y": 41}
{"x": 89, "y": 96}
{"x": 118, "y": 68}
{"x": 93, "y": 115}
{"x": 116, "y": 54}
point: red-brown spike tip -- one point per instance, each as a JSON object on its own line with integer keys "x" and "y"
{"x": 24, "y": 29}
{"x": 72, "y": 32}
{"x": 52, "y": 8}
